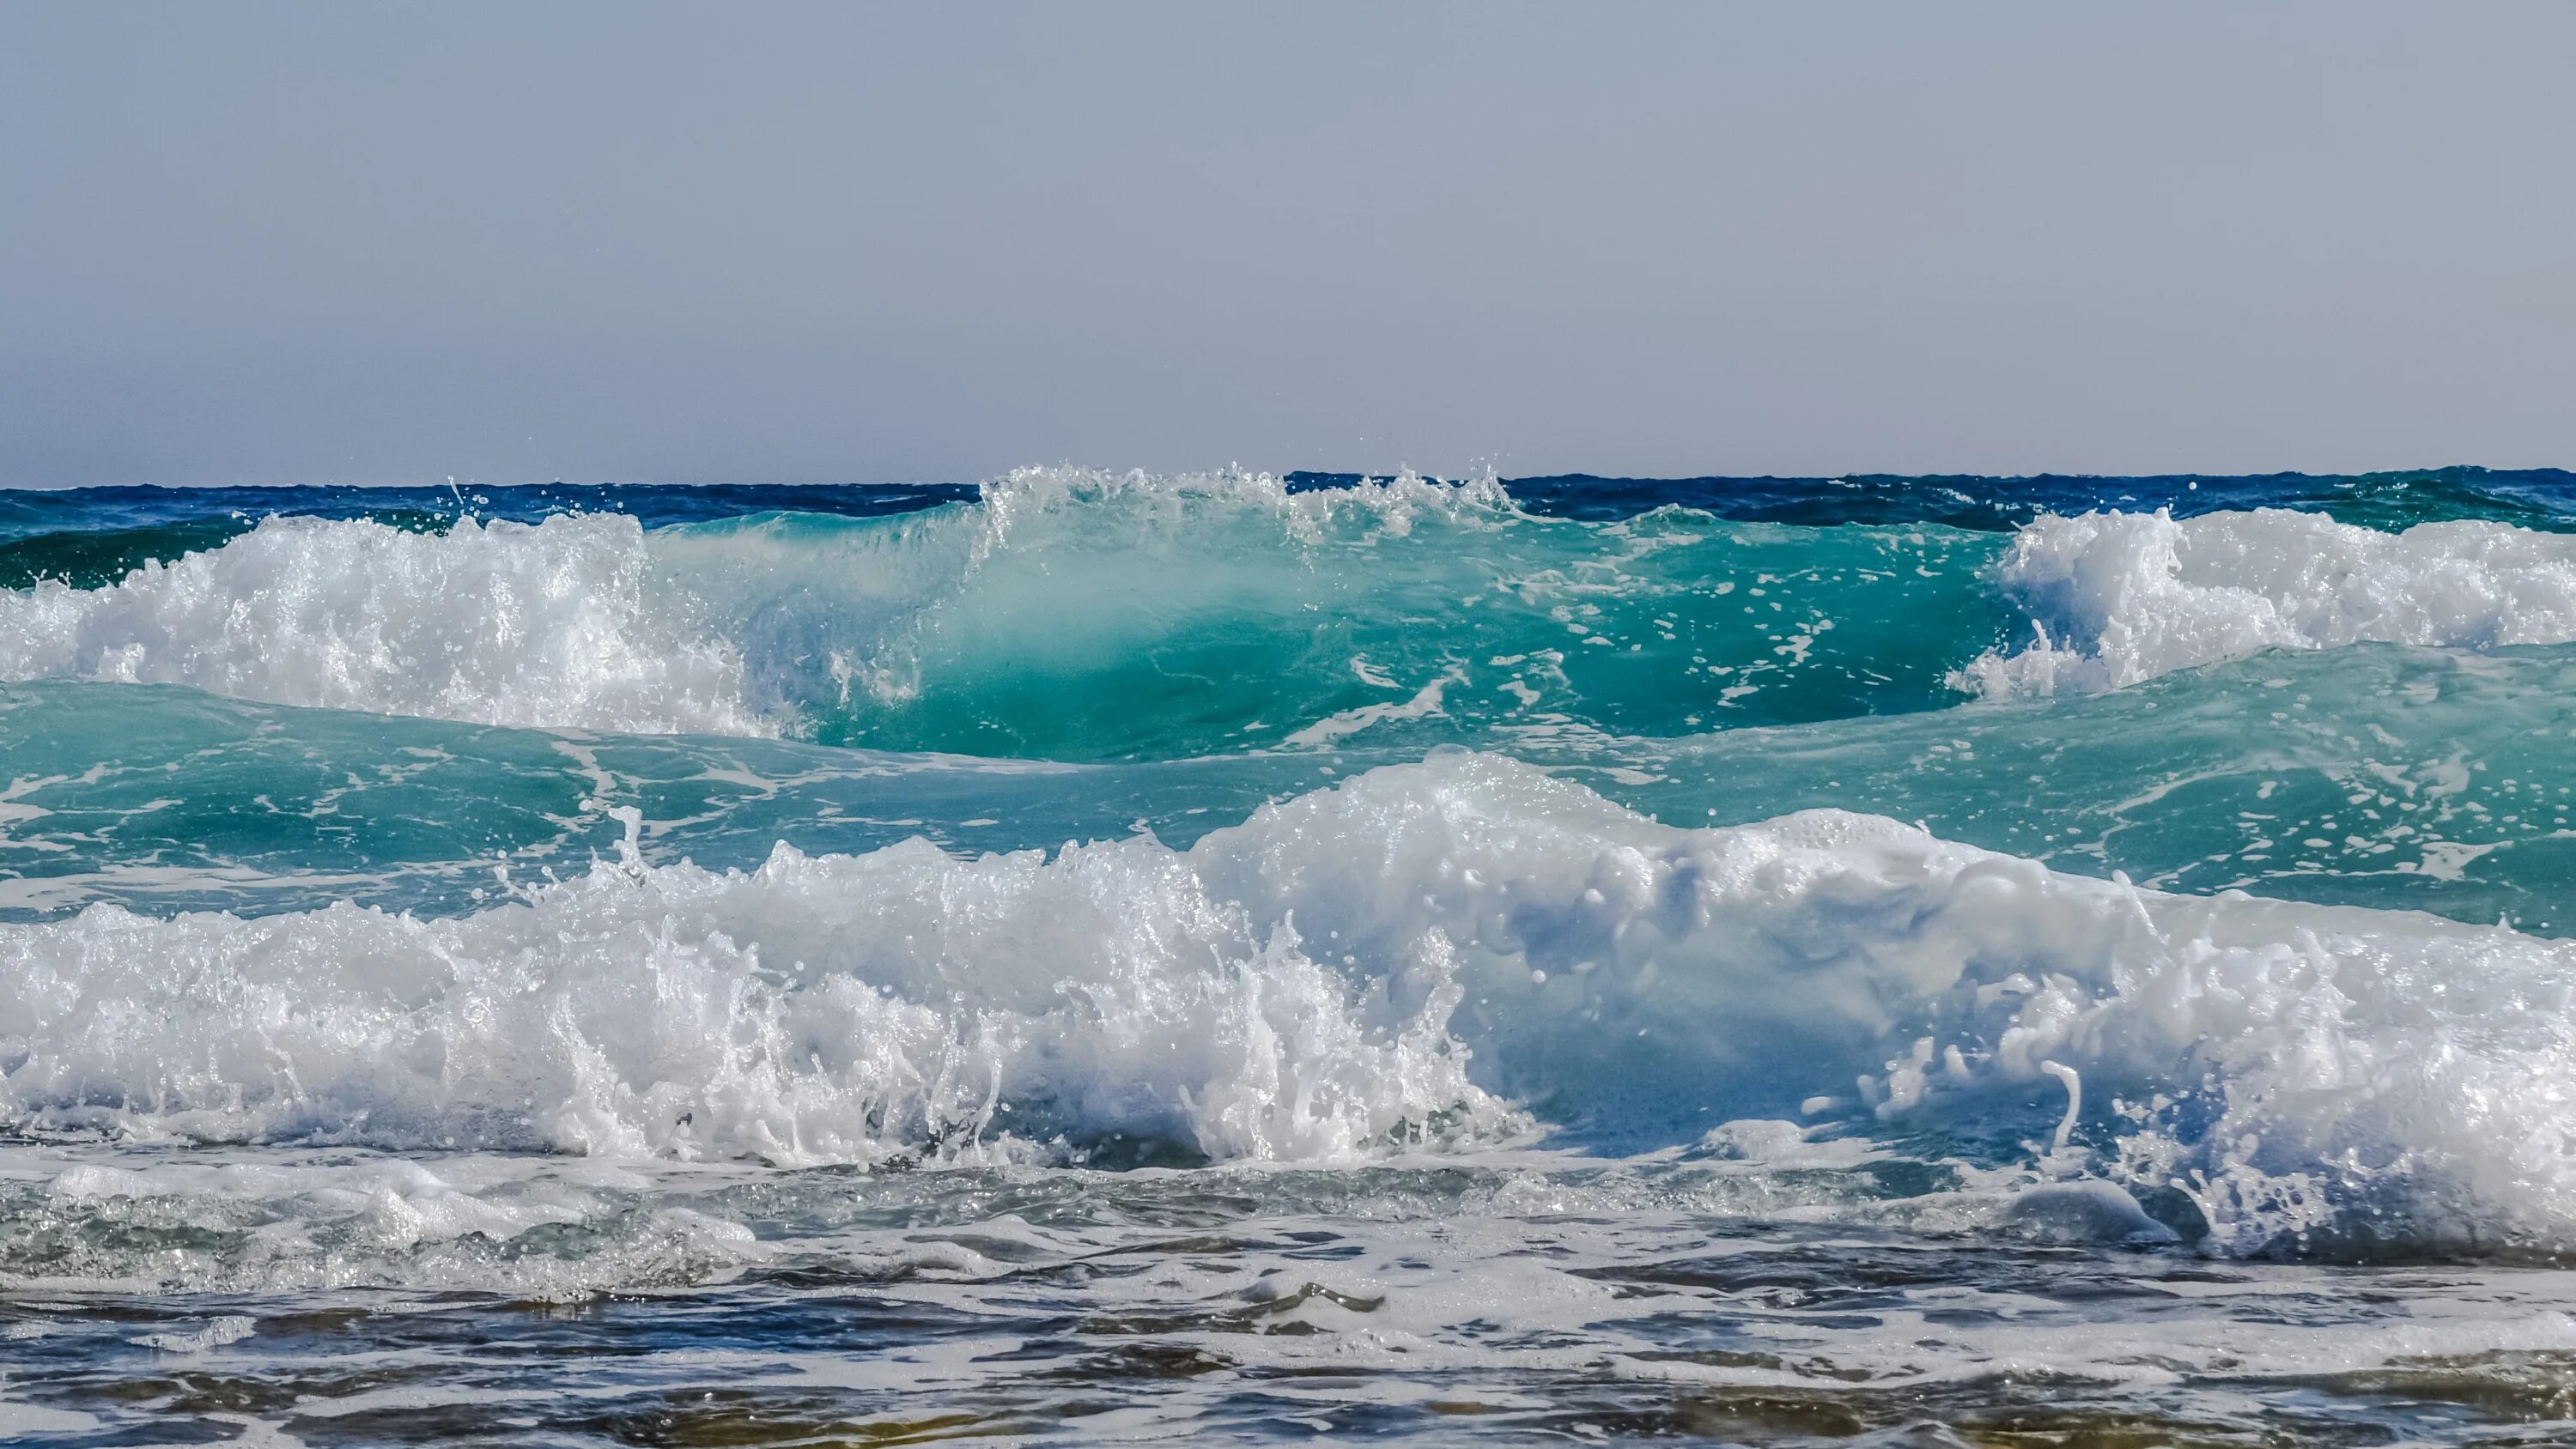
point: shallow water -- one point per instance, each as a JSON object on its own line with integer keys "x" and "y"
{"x": 1106, "y": 957}
{"x": 1504, "y": 1299}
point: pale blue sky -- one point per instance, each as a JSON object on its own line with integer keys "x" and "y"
{"x": 369, "y": 243}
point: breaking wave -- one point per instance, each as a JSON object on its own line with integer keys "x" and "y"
{"x": 563, "y": 622}
{"x": 1066, "y": 614}
{"x": 2118, "y": 598}
{"x": 1425, "y": 956}
{"x": 1077, "y": 615}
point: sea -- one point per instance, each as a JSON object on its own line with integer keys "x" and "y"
{"x": 1098, "y": 957}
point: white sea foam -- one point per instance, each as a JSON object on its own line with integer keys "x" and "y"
{"x": 1448, "y": 1287}
{"x": 1136, "y": 503}
{"x": 592, "y": 622}
{"x": 818, "y": 1009}
{"x": 565, "y": 622}
{"x": 229, "y": 1328}
{"x": 755, "y": 626}
{"x": 1375, "y": 964}
{"x": 284, "y": 1219}
{"x": 2122, "y": 597}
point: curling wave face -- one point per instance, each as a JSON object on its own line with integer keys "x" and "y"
{"x": 1065, "y": 615}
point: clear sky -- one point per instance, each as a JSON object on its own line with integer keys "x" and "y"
{"x": 374, "y": 243}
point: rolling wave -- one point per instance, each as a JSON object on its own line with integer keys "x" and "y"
{"x": 1420, "y": 957}
{"x": 2122, "y": 597}
{"x": 1091, "y": 616}
{"x": 1068, "y": 615}
{"x": 563, "y": 622}
{"x": 2375, "y": 775}
{"x": 404, "y": 911}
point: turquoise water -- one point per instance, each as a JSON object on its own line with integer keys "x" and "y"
{"x": 2382, "y": 775}
{"x": 1105, "y": 956}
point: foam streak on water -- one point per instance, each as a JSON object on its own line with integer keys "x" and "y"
{"x": 1103, "y": 957}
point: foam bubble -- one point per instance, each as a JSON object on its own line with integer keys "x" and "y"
{"x": 813, "y": 1010}
{"x": 564, "y": 622}
{"x": 2122, "y": 597}
{"x": 1372, "y": 966}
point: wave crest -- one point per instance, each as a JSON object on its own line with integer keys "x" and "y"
{"x": 2119, "y": 598}
{"x": 761, "y": 625}
{"x": 1389, "y": 962}
{"x": 817, "y": 1009}
{"x": 561, "y": 623}
{"x": 1140, "y": 501}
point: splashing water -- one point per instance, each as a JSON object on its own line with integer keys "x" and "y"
{"x": 1764, "y": 961}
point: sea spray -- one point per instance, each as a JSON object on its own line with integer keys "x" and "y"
{"x": 1390, "y": 963}
{"x": 2117, "y": 598}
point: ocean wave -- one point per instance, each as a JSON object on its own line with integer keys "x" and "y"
{"x": 1086, "y": 616}
{"x": 2373, "y": 775}
{"x": 1078, "y": 615}
{"x": 1417, "y": 957}
{"x": 2378, "y": 775}
{"x": 2118, "y": 598}
{"x": 1067, "y": 614}
{"x": 563, "y": 622}
{"x": 818, "y": 1009}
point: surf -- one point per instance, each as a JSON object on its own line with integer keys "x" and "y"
{"x": 1432, "y": 956}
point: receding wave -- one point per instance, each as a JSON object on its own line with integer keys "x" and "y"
{"x": 1415, "y": 958}
{"x": 2122, "y": 597}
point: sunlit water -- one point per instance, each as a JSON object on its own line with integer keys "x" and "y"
{"x": 1105, "y": 957}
